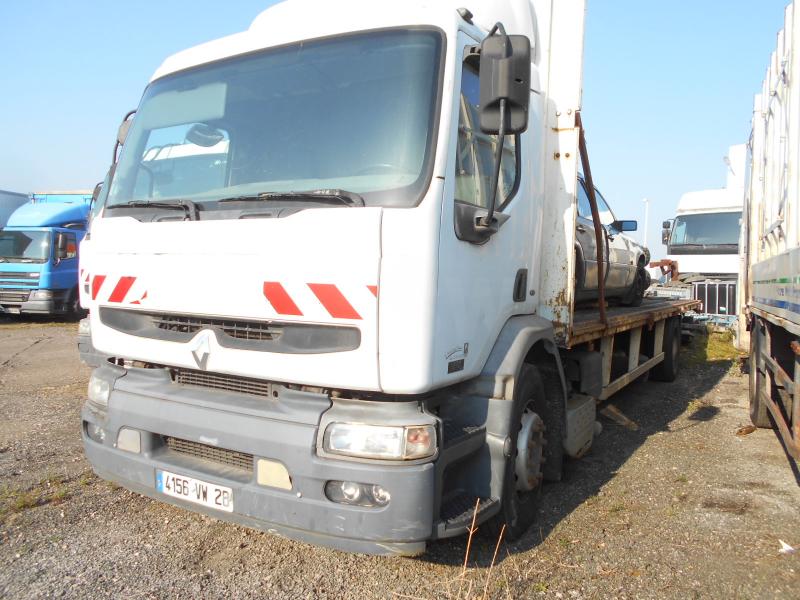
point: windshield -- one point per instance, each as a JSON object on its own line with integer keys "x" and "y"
{"x": 24, "y": 246}
{"x": 353, "y": 113}
{"x": 710, "y": 229}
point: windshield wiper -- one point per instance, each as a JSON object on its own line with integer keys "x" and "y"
{"x": 342, "y": 196}
{"x": 189, "y": 207}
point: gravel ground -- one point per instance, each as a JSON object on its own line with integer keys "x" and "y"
{"x": 674, "y": 506}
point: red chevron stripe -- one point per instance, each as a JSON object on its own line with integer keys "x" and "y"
{"x": 280, "y": 300}
{"x": 373, "y": 289}
{"x": 333, "y": 301}
{"x": 123, "y": 286}
{"x": 97, "y": 283}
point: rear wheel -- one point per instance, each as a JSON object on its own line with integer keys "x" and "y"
{"x": 667, "y": 370}
{"x": 759, "y": 413}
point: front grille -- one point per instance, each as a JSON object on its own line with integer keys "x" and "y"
{"x": 218, "y": 381}
{"x": 718, "y": 297}
{"x": 14, "y": 297}
{"x": 220, "y": 456}
{"x": 242, "y": 330}
{"x": 19, "y": 276}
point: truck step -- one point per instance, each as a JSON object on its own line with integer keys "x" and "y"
{"x": 460, "y": 440}
{"x": 457, "y": 512}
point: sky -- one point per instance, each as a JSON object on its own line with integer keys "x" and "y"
{"x": 668, "y": 86}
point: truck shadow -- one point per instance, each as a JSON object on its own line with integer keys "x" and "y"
{"x": 651, "y": 407}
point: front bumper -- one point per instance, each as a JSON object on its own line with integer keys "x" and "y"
{"x": 282, "y": 428}
{"x": 16, "y": 301}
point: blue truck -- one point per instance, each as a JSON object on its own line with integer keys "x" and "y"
{"x": 39, "y": 254}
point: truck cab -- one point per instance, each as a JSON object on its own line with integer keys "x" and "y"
{"x": 39, "y": 271}
{"x": 703, "y": 244}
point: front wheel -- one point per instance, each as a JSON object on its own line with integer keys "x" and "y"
{"x": 532, "y": 443}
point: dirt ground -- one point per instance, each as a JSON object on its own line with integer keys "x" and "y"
{"x": 673, "y": 505}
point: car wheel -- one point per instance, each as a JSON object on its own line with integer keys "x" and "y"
{"x": 640, "y": 285}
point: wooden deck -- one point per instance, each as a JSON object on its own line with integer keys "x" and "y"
{"x": 586, "y": 324}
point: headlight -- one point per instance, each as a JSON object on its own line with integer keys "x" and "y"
{"x": 378, "y": 441}
{"x": 84, "y": 327}
{"x": 41, "y": 295}
{"x": 99, "y": 390}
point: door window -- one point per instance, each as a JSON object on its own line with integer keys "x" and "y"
{"x": 476, "y": 151}
{"x": 72, "y": 245}
{"x": 584, "y": 207}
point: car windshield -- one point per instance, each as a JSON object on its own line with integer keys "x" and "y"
{"x": 353, "y": 113}
{"x": 24, "y": 246}
{"x": 710, "y": 229}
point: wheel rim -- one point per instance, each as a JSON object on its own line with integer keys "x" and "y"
{"x": 530, "y": 450}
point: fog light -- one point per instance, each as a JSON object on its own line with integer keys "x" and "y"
{"x": 357, "y": 494}
{"x": 129, "y": 440}
{"x": 95, "y": 433}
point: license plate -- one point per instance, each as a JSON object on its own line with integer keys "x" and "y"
{"x": 194, "y": 490}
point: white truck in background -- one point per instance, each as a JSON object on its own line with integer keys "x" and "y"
{"x": 333, "y": 273}
{"x": 703, "y": 245}
{"x": 770, "y": 279}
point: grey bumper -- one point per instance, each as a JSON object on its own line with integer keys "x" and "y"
{"x": 282, "y": 428}
{"x": 88, "y": 353}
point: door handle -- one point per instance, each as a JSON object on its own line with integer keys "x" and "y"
{"x": 580, "y": 229}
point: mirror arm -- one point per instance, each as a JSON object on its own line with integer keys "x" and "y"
{"x": 486, "y": 221}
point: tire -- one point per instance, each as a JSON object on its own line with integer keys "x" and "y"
{"x": 640, "y": 284}
{"x": 667, "y": 370}
{"x": 522, "y": 481}
{"x": 759, "y": 413}
{"x": 72, "y": 308}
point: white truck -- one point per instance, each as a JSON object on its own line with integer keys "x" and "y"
{"x": 771, "y": 242}
{"x": 333, "y": 273}
{"x": 703, "y": 243}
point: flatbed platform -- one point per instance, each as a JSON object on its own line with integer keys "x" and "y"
{"x": 587, "y": 326}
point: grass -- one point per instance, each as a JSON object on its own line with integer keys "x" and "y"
{"x": 714, "y": 346}
{"x": 53, "y": 489}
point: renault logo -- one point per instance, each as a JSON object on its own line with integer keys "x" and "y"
{"x": 201, "y": 348}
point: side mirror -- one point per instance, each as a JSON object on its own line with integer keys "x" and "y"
{"x": 96, "y": 192}
{"x": 505, "y": 82}
{"x": 61, "y": 246}
{"x": 666, "y": 230}
{"x": 504, "y": 96}
{"x": 625, "y": 225}
{"x": 122, "y": 132}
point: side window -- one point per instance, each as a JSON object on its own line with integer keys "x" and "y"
{"x": 476, "y": 151}
{"x": 584, "y": 207}
{"x": 72, "y": 245}
{"x": 606, "y": 216}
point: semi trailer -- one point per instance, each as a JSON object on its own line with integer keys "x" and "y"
{"x": 771, "y": 243}
{"x": 333, "y": 271}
